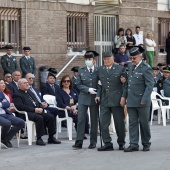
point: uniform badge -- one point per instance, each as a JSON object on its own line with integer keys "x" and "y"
{"x": 160, "y": 85}
{"x": 14, "y": 59}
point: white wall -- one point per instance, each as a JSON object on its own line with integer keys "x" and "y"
{"x": 163, "y": 5}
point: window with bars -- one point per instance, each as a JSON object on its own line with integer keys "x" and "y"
{"x": 77, "y": 30}
{"x": 9, "y": 27}
{"x": 163, "y": 29}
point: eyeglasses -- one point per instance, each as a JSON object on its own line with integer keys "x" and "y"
{"x": 133, "y": 58}
{"x": 8, "y": 77}
{"x": 64, "y": 81}
{"x": 31, "y": 78}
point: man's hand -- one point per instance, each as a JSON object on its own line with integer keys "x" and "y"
{"x": 44, "y": 104}
{"x": 122, "y": 101}
{"x": 92, "y": 91}
{"x": 142, "y": 103}
{"x": 97, "y": 100}
{"x": 38, "y": 110}
{"x": 122, "y": 79}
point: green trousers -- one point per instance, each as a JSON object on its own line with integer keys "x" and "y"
{"x": 150, "y": 55}
{"x": 139, "y": 117}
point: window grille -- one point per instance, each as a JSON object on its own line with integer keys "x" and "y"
{"x": 77, "y": 30}
{"x": 164, "y": 28}
{"x": 9, "y": 27}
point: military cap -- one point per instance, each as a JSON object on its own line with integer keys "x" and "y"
{"x": 26, "y": 48}
{"x": 9, "y": 47}
{"x": 107, "y": 54}
{"x": 166, "y": 69}
{"x": 91, "y": 54}
{"x": 52, "y": 70}
{"x": 155, "y": 68}
{"x": 51, "y": 74}
{"x": 75, "y": 69}
{"x": 136, "y": 50}
{"x": 161, "y": 64}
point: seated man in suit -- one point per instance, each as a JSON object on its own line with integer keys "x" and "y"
{"x": 30, "y": 79}
{"x": 26, "y": 100}
{"x": 8, "y": 78}
{"x": 50, "y": 87}
{"x": 6, "y": 120}
{"x": 13, "y": 86}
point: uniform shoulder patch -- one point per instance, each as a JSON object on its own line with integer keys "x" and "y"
{"x": 146, "y": 64}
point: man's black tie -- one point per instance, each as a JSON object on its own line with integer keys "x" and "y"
{"x": 53, "y": 87}
{"x": 91, "y": 71}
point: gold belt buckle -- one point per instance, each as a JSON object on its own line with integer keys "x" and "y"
{"x": 107, "y": 90}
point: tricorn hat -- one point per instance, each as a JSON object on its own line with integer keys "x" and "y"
{"x": 136, "y": 50}
{"x": 9, "y": 47}
{"x": 75, "y": 69}
{"x": 51, "y": 74}
{"x": 52, "y": 70}
{"x": 91, "y": 54}
{"x": 26, "y": 48}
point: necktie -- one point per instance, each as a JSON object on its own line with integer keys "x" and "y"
{"x": 53, "y": 87}
{"x": 108, "y": 69}
{"x": 29, "y": 96}
{"x": 35, "y": 94}
{"x": 91, "y": 71}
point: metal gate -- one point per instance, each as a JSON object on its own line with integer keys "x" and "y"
{"x": 104, "y": 33}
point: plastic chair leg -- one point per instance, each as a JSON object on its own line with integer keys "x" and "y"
{"x": 167, "y": 113}
{"x": 164, "y": 117}
{"x": 18, "y": 137}
{"x": 152, "y": 116}
{"x": 0, "y": 137}
{"x": 69, "y": 128}
{"x": 29, "y": 130}
{"x": 159, "y": 116}
{"x": 57, "y": 131}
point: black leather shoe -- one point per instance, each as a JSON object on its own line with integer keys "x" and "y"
{"x": 146, "y": 148}
{"x": 131, "y": 149}
{"x": 106, "y": 148}
{"x": 121, "y": 147}
{"x": 92, "y": 146}
{"x": 77, "y": 145}
{"x": 53, "y": 141}
{"x": 8, "y": 144}
{"x": 40, "y": 142}
{"x": 22, "y": 136}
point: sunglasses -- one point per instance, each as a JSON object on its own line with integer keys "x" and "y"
{"x": 8, "y": 77}
{"x": 64, "y": 81}
{"x": 31, "y": 78}
{"x": 133, "y": 58}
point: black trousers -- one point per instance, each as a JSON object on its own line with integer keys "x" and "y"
{"x": 41, "y": 121}
{"x": 9, "y": 131}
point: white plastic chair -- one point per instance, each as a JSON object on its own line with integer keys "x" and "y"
{"x": 156, "y": 105}
{"x": 51, "y": 100}
{"x": 30, "y": 127}
{"x": 164, "y": 108}
{"x": 155, "y": 89}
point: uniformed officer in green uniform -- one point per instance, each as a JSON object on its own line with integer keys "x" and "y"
{"x": 9, "y": 62}
{"x": 140, "y": 86}
{"x": 27, "y": 63}
{"x": 87, "y": 83}
{"x": 160, "y": 82}
{"x": 112, "y": 100}
{"x": 74, "y": 78}
{"x": 166, "y": 83}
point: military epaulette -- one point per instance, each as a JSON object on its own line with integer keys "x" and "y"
{"x": 147, "y": 65}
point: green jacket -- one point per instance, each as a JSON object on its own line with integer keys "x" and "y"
{"x": 85, "y": 80}
{"x": 140, "y": 85}
{"x": 112, "y": 88}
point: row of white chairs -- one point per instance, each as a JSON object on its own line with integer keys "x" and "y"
{"x": 158, "y": 103}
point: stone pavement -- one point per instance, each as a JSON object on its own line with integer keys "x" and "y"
{"x": 63, "y": 157}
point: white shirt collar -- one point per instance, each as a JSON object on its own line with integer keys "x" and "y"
{"x": 138, "y": 64}
{"x": 91, "y": 68}
{"x": 27, "y": 57}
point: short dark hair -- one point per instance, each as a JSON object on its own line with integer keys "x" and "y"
{"x": 63, "y": 78}
{"x": 119, "y": 30}
{"x": 137, "y": 27}
{"x": 121, "y": 45}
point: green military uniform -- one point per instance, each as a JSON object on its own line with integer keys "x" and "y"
{"x": 166, "y": 83}
{"x": 27, "y": 65}
{"x": 85, "y": 80}
{"x": 87, "y": 83}
{"x": 159, "y": 84}
{"x": 9, "y": 64}
{"x": 140, "y": 86}
{"x": 111, "y": 93}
